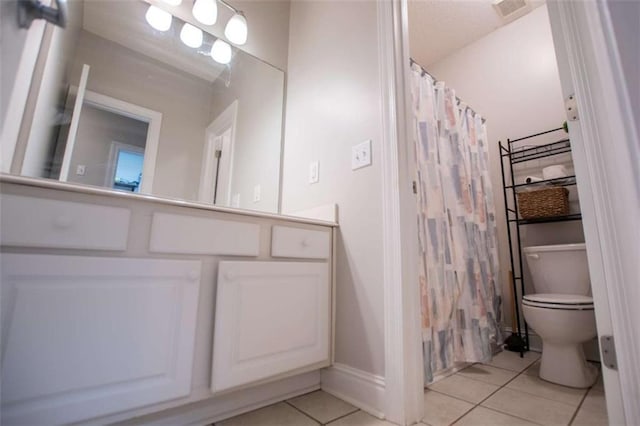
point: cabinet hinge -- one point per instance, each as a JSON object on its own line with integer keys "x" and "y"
{"x": 415, "y": 187}
{"x": 608, "y": 350}
{"x": 571, "y": 107}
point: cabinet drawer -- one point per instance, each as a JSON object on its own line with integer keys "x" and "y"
{"x": 300, "y": 243}
{"x": 171, "y": 233}
{"x": 40, "y": 222}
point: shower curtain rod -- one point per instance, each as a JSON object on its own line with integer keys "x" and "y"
{"x": 413, "y": 61}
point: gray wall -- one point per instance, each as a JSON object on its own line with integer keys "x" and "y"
{"x": 625, "y": 17}
{"x": 96, "y": 131}
{"x": 259, "y": 90}
{"x": 333, "y": 103}
{"x": 47, "y": 95}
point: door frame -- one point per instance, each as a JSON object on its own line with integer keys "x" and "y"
{"x": 404, "y": 378}
{"x": 151, "y": 117}
{"x": 606, "y": 152}
{"x": 226, "y": 120}
{"x": 585, "y": 31}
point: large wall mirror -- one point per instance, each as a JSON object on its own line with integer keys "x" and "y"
{"x": 117, "y": 103}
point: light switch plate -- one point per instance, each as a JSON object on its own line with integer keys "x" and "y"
{"x": 80, "y": 169}
{"x": 314, "y": 172}
{"x": 361, "y": 155}
{"x": 256, "y": 193}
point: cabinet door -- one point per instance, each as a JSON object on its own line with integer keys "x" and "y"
{"x": 86, "y": 336}
{"x": 271, "y": 318}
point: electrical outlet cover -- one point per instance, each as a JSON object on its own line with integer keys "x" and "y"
{"x": 361, "y": 155}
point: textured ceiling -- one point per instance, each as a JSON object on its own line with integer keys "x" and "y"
{"x": 438, "y": 28}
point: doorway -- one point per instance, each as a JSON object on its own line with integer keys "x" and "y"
{"x": 217, "y": 160}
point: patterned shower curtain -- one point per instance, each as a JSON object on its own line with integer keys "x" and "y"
{"x": 459, "y": 278}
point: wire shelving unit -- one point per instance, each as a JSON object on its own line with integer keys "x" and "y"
{"x": 517, "y": 151}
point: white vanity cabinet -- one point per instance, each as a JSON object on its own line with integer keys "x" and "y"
{"x": 271, "y": 318}
{"x": 118, "y": 307}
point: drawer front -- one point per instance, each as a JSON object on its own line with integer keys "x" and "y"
{"x": 300, "y": 243}
{"x": 171, "y": 233}
{"x": 39, "y": 222}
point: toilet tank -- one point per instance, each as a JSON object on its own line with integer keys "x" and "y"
{"x": 560, "y": 269}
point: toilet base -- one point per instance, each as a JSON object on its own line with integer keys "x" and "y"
{"x": 565, "y": 364}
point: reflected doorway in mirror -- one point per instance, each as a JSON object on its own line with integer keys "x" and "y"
{"x": 114, "y": 112}
{"x": 217, "y": 158}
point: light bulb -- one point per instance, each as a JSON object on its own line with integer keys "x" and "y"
{"x": 173, "y": 2}
{"x": 221, "y": 52}
{"x": 191, "y": 36}
{"x": 158, "y": 18}
{"x": 236, "y": 29}
{"x": 205, "y": 11}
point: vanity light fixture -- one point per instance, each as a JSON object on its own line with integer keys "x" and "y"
{"x": 205, "y": 11}
{"x": 158, "y": 18}
{"x": 172, "y": 2}
{"x": 236, "y": 30}
{"x": 191, "y": 36}
{"x": 221, "y": 52}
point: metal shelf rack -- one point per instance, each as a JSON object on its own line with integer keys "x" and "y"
{"x": 515, "y": 152}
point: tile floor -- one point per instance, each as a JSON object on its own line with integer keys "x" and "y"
{"x": 506, "y": 391}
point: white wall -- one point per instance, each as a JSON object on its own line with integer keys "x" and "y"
{"x": 334, "y": 102}
{"x": 511, "y": 78}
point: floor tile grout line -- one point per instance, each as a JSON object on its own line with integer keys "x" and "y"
{"x": 451, "y": 396}
{"x": 299, "y": 410}
{"x": 355, "y": 409}
{"x": 575, "y": 413}
{"x": 342, "y": 417}
{"x": 540, "y": 396}
{"x": 511, "y": 415}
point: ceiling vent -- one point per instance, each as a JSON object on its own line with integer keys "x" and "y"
{"x": 511, "y": 9}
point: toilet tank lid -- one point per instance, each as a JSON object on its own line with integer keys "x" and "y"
{"x": 559, "y": 299}
{"x": 555, "y": 247}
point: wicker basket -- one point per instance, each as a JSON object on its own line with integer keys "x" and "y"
{"x": 546, "y": 202}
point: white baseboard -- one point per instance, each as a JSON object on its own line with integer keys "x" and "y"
{"x": 229, "y": 405}
{"x": 359, "y": 388}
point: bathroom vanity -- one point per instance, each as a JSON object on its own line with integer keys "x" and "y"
{"x": 120, "y": 307}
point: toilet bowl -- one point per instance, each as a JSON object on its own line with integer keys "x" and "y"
{"x": 561, "y": 312}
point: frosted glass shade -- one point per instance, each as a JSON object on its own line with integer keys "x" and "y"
{"x": 236, "y": 30}
{"x": 221, "y": 52}
{"x": 191, "y": 36}
{"x": 158, "y": 18}
{"x": 205, "y": 11}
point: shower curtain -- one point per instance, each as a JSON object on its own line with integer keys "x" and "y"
{"x": 459, "y": 285}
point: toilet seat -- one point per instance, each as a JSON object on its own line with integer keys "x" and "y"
{"x": 559, "y": 301}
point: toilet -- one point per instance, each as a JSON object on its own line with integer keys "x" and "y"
{"x": 561, "y": 312}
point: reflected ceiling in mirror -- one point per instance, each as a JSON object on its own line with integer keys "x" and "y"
{"x": 119, "y": 104}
